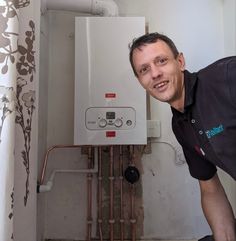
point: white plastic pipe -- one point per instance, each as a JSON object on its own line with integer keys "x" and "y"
{"x": 96, "y": 7}
{"x": 48, "y": 186}
{"x": 105, "y": 8}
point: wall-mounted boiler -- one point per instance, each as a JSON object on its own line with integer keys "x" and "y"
{"x": 110, "y": 104}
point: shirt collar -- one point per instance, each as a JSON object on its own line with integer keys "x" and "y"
{"x": 190, "y": 83}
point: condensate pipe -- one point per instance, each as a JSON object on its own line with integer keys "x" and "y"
{"x": 100, "y": 177}
{"x": 48, "y": 186}
{"x": 121, "y": 177}
{"x": 95, "y": 7}
{"x": 111, "y": 178}
{"x": 45, "y": 162}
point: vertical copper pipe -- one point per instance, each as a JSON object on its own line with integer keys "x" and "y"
{"x": 111, "y": 177}
{"x": 132, "y": 196}
{"x": 132, "y": 216}
{"x": 121, "y": 193}
{"x": 89, "y": 196}
{"x": 100, "y": 193}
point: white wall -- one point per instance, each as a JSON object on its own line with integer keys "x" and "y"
{"x": 171, "y": 197}
{"x": 43, "y": 109}
{"x": 229, "y": 12}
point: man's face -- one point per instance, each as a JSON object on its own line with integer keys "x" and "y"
{"x": 160, "y": 73}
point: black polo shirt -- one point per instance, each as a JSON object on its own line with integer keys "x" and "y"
{"x": 207, "y": 128}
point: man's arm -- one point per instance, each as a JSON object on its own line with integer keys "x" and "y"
{"x": 217, "y": 209}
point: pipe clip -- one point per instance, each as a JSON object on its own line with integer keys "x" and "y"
{"x": 89, "y": 178}
{"x": 133, "y": 220}
{"x": 100, "y": 220}
{"x": 89, "y": 221}
{"x": 111, "y": 221}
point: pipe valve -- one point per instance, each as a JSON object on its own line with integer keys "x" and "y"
{"x": 132, "y": 174}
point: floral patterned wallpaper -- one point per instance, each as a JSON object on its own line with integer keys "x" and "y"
{"x": 25, "y": 65}
{"x": 17, "y": 88}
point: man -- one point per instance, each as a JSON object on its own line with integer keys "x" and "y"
{"x": 204, "y": 118}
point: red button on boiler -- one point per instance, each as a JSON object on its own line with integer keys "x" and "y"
{"x": 110, "y": 134}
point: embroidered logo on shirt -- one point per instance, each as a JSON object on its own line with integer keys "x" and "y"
{"x": 214, "y": 131}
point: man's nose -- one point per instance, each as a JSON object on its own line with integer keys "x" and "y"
{"x": 155, "y": 72}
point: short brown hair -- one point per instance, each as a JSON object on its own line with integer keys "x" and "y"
{"x": 148, "y": 39}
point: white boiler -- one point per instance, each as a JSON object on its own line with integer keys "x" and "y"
{"x": 110, "y": 104}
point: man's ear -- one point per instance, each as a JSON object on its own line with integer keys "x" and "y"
{"x": 181, "y": 61}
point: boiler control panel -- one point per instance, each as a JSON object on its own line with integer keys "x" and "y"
{"x": 107, "y": 118}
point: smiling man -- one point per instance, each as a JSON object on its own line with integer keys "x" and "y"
{"x": 204, "y": 118}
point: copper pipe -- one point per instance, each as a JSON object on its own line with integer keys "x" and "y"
{"x": 121, "y": 193}
{"x": 46, "y": 158}
{"x": 132, "y": 216}
{"x": 89, "y": 196}
{"x": 100, "y": 193}
{"x": 132, "y": 196}
{"x": 111, "y": 178}
{"x": 132, "y": 155}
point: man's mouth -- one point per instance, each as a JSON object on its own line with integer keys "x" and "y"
{"x": 161, "y": 85}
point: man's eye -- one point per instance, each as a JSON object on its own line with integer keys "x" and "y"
{"x": 161, "y": 61}
{"x": 144, "y": 70}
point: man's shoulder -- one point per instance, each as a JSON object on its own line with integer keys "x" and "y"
{"x": 219, "y": 64}
{"x": 217, "y": 70}
{"x": 225, "y": 60}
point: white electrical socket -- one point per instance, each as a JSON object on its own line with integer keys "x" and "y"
{"x": 154, "y": 128}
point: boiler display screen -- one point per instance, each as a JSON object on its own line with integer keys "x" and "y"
{"x": 110, "y": 115}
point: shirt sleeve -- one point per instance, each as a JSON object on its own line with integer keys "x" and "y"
{"x": 199, "y": 167}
